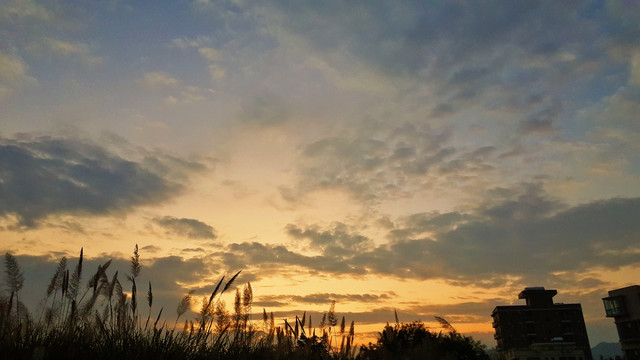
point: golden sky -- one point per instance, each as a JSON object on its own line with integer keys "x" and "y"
{"x": 431, "y": 158}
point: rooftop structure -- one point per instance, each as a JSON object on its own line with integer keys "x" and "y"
{"x": 541, "y": 327}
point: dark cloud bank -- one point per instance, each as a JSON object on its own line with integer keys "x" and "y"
{"x": 45, "y": 176}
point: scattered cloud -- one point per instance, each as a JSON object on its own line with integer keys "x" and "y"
{"x": 159, "y": 79}
{"x": 214, "y": 57}
{"x": 176, "y": 92}
{"x": 377, "y": 164}
{"x": 542, "y": 120}
{"x": 13, "y": 73}
{"x": 527, "y": 236}
{"x": 189, "y": 95}
{"x": 21, "y": 10}
{"x": 331, "y": 242}
{"x": 76, "y": 50}
{"x": 211, "y": 54}
{"x": 271, "y": 257}
{"x": 197, "y": 42}
{"x": 264, "y": 109}
{"x": 12, "y": 68}
{"x": 635, "y": 69}
{"x": 189, "y": 228}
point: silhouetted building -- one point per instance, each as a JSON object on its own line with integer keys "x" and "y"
{"x": 624, "y": 306}
{"x": 541, "y": 329}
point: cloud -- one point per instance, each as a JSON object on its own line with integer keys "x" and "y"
{"x": 178, "y": 93}
{"x": 522, "y": 236}
{"x": 451, "y": 38}
{"x": 531, "y": 240}
{"x": 189, "y": 228}
{"x": 211, "y": 54}
{"x": 13, "y": 73}
{"x": 421, "y": 223}
{"x": 215, "y": 57}
{"x": 176, "y": 274}
{"x": 332, "y": 242}
{"x": 264, "y": 109}
{"x": 46, "y": 176}
{"x": 159, "y": 79}
{"x": 380, "y": 162}
{"x": 150, "y": 249}
{"x": 455, "y": 314}
{"x": 172, "y": 277}
{"x": 16, "y": 9}
{"x": 324, "y": 298}
{"x": 617, "y": 110}
{"x": 480, "y": 65}
{"x": 458, "y": 313}
{"x": 269, "y": 257}
{"x": 185, "y": 43}
{"x": 189, "y": 95}
{"x": 542, "y": 120}
{"x": 12, "y": 68}
{"x": 76, "y": 50}
{"x": 635, "y": 69}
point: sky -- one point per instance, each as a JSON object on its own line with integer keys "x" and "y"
{"x": 429, "y": 157}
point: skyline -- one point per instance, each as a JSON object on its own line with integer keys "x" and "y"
{"x": 434, "y": 158}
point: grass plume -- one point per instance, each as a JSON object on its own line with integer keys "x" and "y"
{"x": 104, "y": 323}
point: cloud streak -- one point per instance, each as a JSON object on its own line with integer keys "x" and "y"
{"x": 323, "y": 298}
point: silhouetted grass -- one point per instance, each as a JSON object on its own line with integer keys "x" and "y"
{"x": 101, "y": 321}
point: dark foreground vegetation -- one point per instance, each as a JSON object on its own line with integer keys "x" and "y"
{"x": 101, "y": 321}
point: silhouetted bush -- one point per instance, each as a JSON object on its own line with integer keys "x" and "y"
{"x": 415, "y": 341}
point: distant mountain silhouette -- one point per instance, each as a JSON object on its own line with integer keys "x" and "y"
{"x": 606, "y": 350}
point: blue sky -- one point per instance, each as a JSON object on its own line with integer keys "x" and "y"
{"x": 452, "y": 151}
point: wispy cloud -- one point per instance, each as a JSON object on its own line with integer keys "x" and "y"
{"x": 323, "y": 298}
{"x": 21, "y": 10}
{"x": 77, "y": 50}
{"x": 159, "y": 79}
{"x": 13, "y": 73}
{"x": 264, "y": 109}
{"x": 12, "y": 68}
{"x": 197, "y": 42}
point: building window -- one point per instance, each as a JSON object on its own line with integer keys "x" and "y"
{"x": 614, "y": 306}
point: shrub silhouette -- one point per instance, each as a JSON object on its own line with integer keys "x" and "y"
{"x": 415, "y": 341}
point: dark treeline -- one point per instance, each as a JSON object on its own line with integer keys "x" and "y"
{"x": 100, "y": 320}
